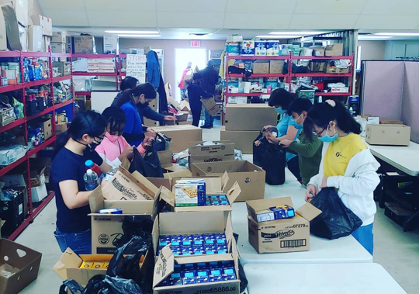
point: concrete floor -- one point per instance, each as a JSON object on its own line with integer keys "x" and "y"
{"x": 396, "y": 251}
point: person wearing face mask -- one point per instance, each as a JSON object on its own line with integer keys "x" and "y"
{"x": 281, "y": 99}
{"x": 134, "y": 131}
{"x": 73, "y": 148}
{"x": 308, "y": 149}
{"x": 346, "y": 165}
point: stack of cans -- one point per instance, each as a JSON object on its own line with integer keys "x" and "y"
{"x": 194, "y": 244}
{"x": 216, "y": 200}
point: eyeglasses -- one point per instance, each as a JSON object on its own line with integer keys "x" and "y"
{"x": 98, "y": 141}
{"x": 319, "y": 134}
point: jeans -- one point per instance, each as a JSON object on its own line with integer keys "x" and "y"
{"x": 196, "y": 113}
{"x": 208, "y": 118}
{"x": 364, "y": 235}
{"x": 80, "y": 243}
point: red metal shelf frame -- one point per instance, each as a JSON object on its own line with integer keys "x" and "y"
{"x": 321, "y": 57}
{"x": 37, "y": 83}
{"x": 36, "y": 54}
{"x": 12, "y": 125}
{"x": 62, "y": 55}
{"x": 276, "y": 75}
{"x": 63, "y": 78}
{"x": 99, "y": 74}
{"x": 62, "y": 104}
{"x": 258, "y": 57}
{"x": 11, "y": 166}
{"x": 324, "y": 75}
{"x": 83, "y": 93}
{"x": 5, "y": 54}
{"x": 40, "y": 147}
{"x": 11, "y": 88}
{"x": 44, "y": 112}
{"x": 93, "y": 56}
{"x": 332, "y": 94}
{"x": 245, "y": 94}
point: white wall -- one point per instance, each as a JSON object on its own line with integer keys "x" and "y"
{"x": 372, "y": 50}
{"x": 395, "y": 49}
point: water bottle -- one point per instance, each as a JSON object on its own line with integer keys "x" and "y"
{"x": 89, "y": 164}
{"x": 109, "y": 175}
{"x": 91, "y": 180}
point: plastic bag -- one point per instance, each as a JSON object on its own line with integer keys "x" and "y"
{"x": 161, "y": 142}
{"x": 101, "y": 284}
{"x": 135, "y": 225}
{"x": 242, "y": 276}
{"x": 272, "y": 159}
{"x": 149, "y": 165}
{"x": 336, "y": 220}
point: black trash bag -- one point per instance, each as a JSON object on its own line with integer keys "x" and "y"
{"x": 161, "y": 142}
{"x": 242, "y": 276}
{"x": 149, "y": 165}
{"x": 336, "y": 220}
{"x": 135, "y": 225}
{"x": 271, "y": 158}
{"x": 101, "y": 284}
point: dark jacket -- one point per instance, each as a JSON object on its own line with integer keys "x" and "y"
{"x": 195, "y": 92}
{"x": 145, "y": 111}
{"x": 210, "y": 78}
{"x": 153, "y": 70}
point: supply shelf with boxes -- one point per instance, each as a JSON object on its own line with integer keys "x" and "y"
{"x": 36, "y": 95}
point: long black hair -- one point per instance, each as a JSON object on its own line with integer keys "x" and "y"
{"x": 280, "y": 97}
{"x": 147, "y": 89}
{"x": 322, "y": 114}
{"x": 115, "y": 117}
{"x": 87, "y": 122}
{"x": 299, "y": 105}
{"x": 128, "y": 83}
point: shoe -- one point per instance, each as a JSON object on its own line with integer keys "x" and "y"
{"x": 206, "y": 127}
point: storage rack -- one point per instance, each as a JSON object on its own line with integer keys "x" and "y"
{"x": 33, "y": 212}
{"x": 289, "y": 76}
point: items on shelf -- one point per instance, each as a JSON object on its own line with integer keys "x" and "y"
{"x": 11, "y": 208}
{"x": 11, "y": 153}
{"x": 62, "y": 92}
{"x": 61, "y": 68}
{"x": 35, "y": 69}
{"x": 10, "y": 73}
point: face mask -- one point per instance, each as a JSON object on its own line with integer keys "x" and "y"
{"x": 295, "y": 124}
{"x": 280, "y": 111}
{"x": 112, "y": 138}
{"x": 328, "y": 139}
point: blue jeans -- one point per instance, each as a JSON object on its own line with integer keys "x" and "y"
{"x": 208, "y": 119}
{"x": 80, "y": 243}
{"x": 364, "y": 235}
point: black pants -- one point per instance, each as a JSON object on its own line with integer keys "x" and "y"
{"x": 196, "y": 113}
{"x": 293, "y": 166}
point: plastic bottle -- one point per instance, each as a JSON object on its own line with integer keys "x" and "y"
{"x": 89, "y": 164}
{"x": 109, "y": 175}
{"x": 91, "y": 180}
{"x": 351, "y": 111}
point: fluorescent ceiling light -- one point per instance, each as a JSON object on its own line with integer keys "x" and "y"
{"x": 296, "y": 33}
{"x": 132, "y": 32}
{"x": 370, "y": 37}
{"x": 397, "y": 34}
{"x": 277, "y": 37}
{"x": 139, "y": 36}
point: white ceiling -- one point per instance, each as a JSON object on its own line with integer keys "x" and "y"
{"x": 176, "y": 18}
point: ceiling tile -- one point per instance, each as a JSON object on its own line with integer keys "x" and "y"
{"x": 330, "y": 6}
{"x": 125, "y": 5}
{"x": 387, "y": 22}
{"x": 322, "y": 22}
{"x": 132, "y": 19}
{"x": 54, "y": 4}
{"x": 191, "y": 6}
{"x": 392, "y": 7}
{"x": 256, "y": 21}
{"x": 68, "y": 17}
{"x": 269, "y": 6}
{"x": 189, "y": 20}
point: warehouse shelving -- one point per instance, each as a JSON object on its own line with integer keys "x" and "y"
{"x": 32, "y": 211}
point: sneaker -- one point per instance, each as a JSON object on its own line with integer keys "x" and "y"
{"x": 206, "y": 127}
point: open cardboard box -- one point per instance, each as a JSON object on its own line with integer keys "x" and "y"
{"x": 251, "y": 178}
{"x": 218, "y": 151}
{"x": 68, "y": 266}
{"x": 180, "y": 172}
{"x": 284, "y": 235}
{"x": 22, "y": 261}
{"x": 388, "y": 134}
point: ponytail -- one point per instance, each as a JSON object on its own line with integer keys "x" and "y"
{"x": 126, "y": 96}
{"x": 147, "y": 89}
{"x": 321, "y": 114}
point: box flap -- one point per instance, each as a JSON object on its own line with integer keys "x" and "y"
{"x": 164, "y": 265}
{"x": 308, "y": 211}
{"x": 225, "y": 180}
{"x": 96, "y": 199}
{"x": 233, "y": 193}
{"x": 263, "y": 204}
{"x": 229, "y": 231}
{"x": 145, "y": 184}
{"x": 125, "y": 163}
{"x": 167, "y": 196}
{"x": 178, "y": 174}
{"x": 68, "y": 259}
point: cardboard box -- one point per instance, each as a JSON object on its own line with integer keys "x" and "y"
{"x": 46, "y": 43}
{"x": 59, "y": 37}
{"x": 333, "y": 70}
{"x": 69, "y": 44}
{"x": 284, "y": 235}
{"x": 398, "y": 135}
{"x": 45, "y": 23}
{"x": 58, "y": 47}
{"x": 3, "y": 37}
{"x": 243, "y": 140}
{"x": 23, "y": 37}
{"x": 249, "y": 117}
{"x": 251, "y": 178}
{"x": 211, "y": 106}
{"x": 206, "y": 152}
{"x": 182, "y": 172}
{"x": 60, "y": 128}
{"x": 68, "y": 266}
{"x": 334, "y": 50}
{"x": 181, "y": 136}
{"x": 41, "y": 165}
{"x": 13, "y": 211}
{"x": 276, "y": 66}
{"x": 21, "y": 8}
{"x": 25, "y": 263}
{"x": 35, "y": 38}
{"x": 111, "y": 44}
{"x": 318, "y": 51}
{"x": 84, "y": 45}
{"x": 317, "y": 66}
{"x": 340, "y": 90}
{"x": 161, "y": 182}
{"x": 386, "y": 121}
{"x": 39, "y": 193}
{"x": 261, "y": 67}
{"x": 47, "y": 128}
{"x": 12, "y": 29}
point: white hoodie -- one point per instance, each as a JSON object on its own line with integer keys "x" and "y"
{"x": 356, "y": 187}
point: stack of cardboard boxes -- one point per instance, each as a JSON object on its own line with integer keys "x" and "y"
{"x": 58, "y": 42}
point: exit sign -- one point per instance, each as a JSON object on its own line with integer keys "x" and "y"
{"x": 195, "y": 43}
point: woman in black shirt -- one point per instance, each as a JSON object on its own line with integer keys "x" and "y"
{"x": 73, "y": 148}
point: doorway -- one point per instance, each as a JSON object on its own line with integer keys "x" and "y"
{"x": 196, "y": 56}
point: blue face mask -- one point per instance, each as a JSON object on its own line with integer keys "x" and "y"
{"x": 328, "y": 139}
{"x": 280, "y": 111}
{"x": 295, "y": 124}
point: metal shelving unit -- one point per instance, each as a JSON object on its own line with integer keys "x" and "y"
{"x": 33, "y": 212}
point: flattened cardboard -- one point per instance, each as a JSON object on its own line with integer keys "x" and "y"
{"x": 250, "y": 177}
{"x": 181, "y": 173}
{"x": 12, "y": 28}
{"x": 158, "y": 182}
{"x": 249, "y": 117}
{"x": 3, "y": 37}
{"x": 284, "y": 235}
{"x": 388, "y": 134}
{"x": 243, "y": 140}
{"x": 211, "y": 106}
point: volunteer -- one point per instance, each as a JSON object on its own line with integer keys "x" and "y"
{"x": 281, "y": 99}
{"x": 195, "y": 92}
{"x": 114, "y": 148}
{"x": 183, "y": 83}
{"x": 74, "y": 147}
{"x": 346, "y": 164}
{"x": 308, "y": 149}
{"x": 134, "y": 131}
{"x": 144, "y": 109}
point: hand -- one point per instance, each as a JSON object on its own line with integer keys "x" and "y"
{"x": 324, "y": 183}
{"x": 128, "y": 152}
{"x": 266, "y": 127}
{"x": 170, "y": 118}
{"x": 257, "y": 143}
{"x": 310, "y": 192}
{"x": 273, "y": 140}
{"x": 150, "y": 133}
{"x": 286, "y": 142}
{"x": 147, "y": 142}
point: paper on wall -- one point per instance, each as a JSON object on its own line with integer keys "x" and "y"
{"x": 136, "y": 67}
